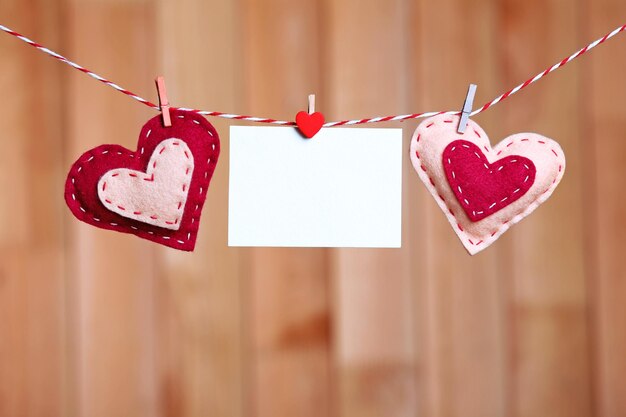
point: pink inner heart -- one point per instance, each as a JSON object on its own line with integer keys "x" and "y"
{"x": 157, "y": 196}
{"x": 483, "y": 188}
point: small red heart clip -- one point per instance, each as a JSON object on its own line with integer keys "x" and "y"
{"x": 309, "y": 124}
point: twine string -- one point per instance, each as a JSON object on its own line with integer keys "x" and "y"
{"x": 379, "y": 119}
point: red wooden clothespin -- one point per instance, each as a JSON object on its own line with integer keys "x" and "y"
{"x": 164, "y": 103}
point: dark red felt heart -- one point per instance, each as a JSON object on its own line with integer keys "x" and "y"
{"x": 309, "y": 124}
{"x": 482, "y": 188}
{"x": 192, "y": 136}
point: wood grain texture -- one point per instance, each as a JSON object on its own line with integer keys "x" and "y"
{"x": 287, "y": 302}
{"x": 111, "y": 278}
{"x": 32, "y": 268}
{"x": 199, "y": 296}
{"x": 372, "y": 288}
{"x": 460, "y": 300}
{"x": 94, "y": 323}
{"x": 546, "y": 289}
{"x": 605, "y": 234}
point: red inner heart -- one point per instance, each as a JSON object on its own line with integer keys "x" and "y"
{"x": 483, "y": 188}
{"x": 309, "y": 124}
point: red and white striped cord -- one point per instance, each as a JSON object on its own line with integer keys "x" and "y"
{"x": 329, "y": 124}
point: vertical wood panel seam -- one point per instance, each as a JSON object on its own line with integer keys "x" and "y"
{"x": 589, "y": 214}
{"x": 69, "y": 337}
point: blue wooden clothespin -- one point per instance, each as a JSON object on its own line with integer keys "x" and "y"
{"x": 467, "y": 108}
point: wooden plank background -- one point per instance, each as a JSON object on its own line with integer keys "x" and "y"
{"x": 94, "y": 323}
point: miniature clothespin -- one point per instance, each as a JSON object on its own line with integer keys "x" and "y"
{"x": 310, "y": 122}
{"x": 311, "y": 103}
{"x": 467, "y": 108}
{"x": 164, "y": 103}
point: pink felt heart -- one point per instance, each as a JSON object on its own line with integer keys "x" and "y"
{"x": 157, "y": 196}
{"x": 156, "y": 192}
{"x": 484, "y": 190}
{"x": 309, "y": 124}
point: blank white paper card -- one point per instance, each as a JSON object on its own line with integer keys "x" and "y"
{"x": 342, "y": 188}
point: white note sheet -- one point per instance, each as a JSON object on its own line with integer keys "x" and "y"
{"x": 342, "y": 188}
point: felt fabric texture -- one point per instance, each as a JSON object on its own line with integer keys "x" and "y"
{"x": 485, "y": 176}
{"x": 309, "y": 124}
{"x": 139, "y": 190}
{"x": 482, "y": 188}
{"x": 157, "y": 196}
